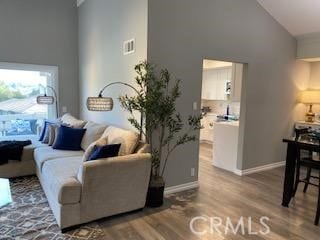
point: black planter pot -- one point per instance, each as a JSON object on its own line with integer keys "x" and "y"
{"x": 155, "y": 196}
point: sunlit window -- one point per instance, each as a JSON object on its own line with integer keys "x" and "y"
{"x": 19, "y": 112}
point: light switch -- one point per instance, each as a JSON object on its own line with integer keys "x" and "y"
{"x": 195, "y": 105}
{"x": 64, "y": 109}
{"x": 193, "y": 172}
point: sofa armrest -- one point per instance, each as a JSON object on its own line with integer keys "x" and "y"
{"x": 114, "y": 185}
{"x": 99, "y": 167}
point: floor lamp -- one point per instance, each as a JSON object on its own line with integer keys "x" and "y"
{"x": 102, "y": 104}
{"x": 49, "y": 100}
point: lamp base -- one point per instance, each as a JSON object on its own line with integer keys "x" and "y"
{"x": 310, "y": 116}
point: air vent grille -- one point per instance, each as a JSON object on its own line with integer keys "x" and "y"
{"x": 129, "y": 47}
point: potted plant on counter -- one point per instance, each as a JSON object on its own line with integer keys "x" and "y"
{"x": 163, "y": 126}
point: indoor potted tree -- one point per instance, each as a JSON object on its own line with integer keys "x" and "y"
{"x": 163, "y": 126}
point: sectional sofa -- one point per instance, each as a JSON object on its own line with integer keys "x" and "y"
{"x": 80, "y": 191}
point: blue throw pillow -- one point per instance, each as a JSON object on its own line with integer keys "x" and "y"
{"x": 106, "y": 151}
{"x": 43, "y": 131}
{"x": 46, "y": 123}
{"x": 69, "y": 138}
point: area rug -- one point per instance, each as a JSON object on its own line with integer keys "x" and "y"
{"x": 30, "y": 217}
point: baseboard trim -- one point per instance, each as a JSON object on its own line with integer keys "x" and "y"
{"x": 181, "y": 187}
{"x": 258, "y": 169}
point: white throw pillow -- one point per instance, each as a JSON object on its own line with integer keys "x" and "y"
{"x": 94, "y": 132}
{"x": 69, "y": 120}
{"x": 100, "y": 142}
{"x": 143, "y": 148}
{"x": 128, "y": 139}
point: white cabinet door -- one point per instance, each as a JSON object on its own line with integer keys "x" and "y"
{"x": 214, "y": 83}
{"x": 204, "y": 85}
{"x": 208, "y": 85}
{"x": 237, "y": 74}
{"x": 220, "y": 84}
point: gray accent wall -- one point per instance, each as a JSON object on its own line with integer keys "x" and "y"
{"x": 43, "y": 32}
{"x": 103, "y": 27}
{"x": 181, "y": 33}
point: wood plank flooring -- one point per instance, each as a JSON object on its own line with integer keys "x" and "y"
{"x": 222, "y": 194}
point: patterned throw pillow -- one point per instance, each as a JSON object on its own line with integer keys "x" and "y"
{"x": 43, "y": 130}
{"x": 56, "y": 130}
{"x": 44, "y": 135}
{"x": 52, "y": 133}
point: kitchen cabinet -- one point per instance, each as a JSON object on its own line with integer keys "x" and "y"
{"x": 236, "y": 83}
{"x": 214, "y": 83}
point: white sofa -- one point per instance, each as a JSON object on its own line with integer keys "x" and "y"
{"x": 27, "y": 165}
{"x": 81, "y": 191}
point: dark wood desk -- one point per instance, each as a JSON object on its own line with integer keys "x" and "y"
{"x": 293, "y": 147}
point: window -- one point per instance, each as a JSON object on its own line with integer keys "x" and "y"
{"x": 20, "y": 84}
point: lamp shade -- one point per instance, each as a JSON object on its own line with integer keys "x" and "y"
{"x": 99, "y": 103}
{"x": 46, "y": 100}
{"x": 310, "y": 97}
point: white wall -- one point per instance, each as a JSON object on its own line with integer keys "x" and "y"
{"x": 306, "y": 76}
{"x": 309, "y": 46}
{"x": 314, "y": 82}
{"x": 301, "y": 76}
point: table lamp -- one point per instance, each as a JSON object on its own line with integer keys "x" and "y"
{"x": 310, "y": 97}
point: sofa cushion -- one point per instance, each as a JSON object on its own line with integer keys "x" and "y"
{"x": 60, "y": 176}
{"x": 127, "y": 139}
{"x": 93, "y": 133}
{"x": 69, "y": 120}
{"x": 43, "y": 154}
{"x": 143, "y": 147}
{"x": 69, "y": 138}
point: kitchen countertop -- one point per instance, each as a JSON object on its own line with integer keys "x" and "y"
{"x": 230, "y": 123}
{"x": 212, "y": 114}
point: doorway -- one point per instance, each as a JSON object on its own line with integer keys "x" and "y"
{"x": 220, "y": 107}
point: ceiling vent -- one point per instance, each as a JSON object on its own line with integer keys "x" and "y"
{"x": 129, "y": 47}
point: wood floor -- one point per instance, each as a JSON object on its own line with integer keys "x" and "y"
{"x": 222, "y": 194}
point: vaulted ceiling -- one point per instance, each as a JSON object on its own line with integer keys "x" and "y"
{"x": 299, "y": 17}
